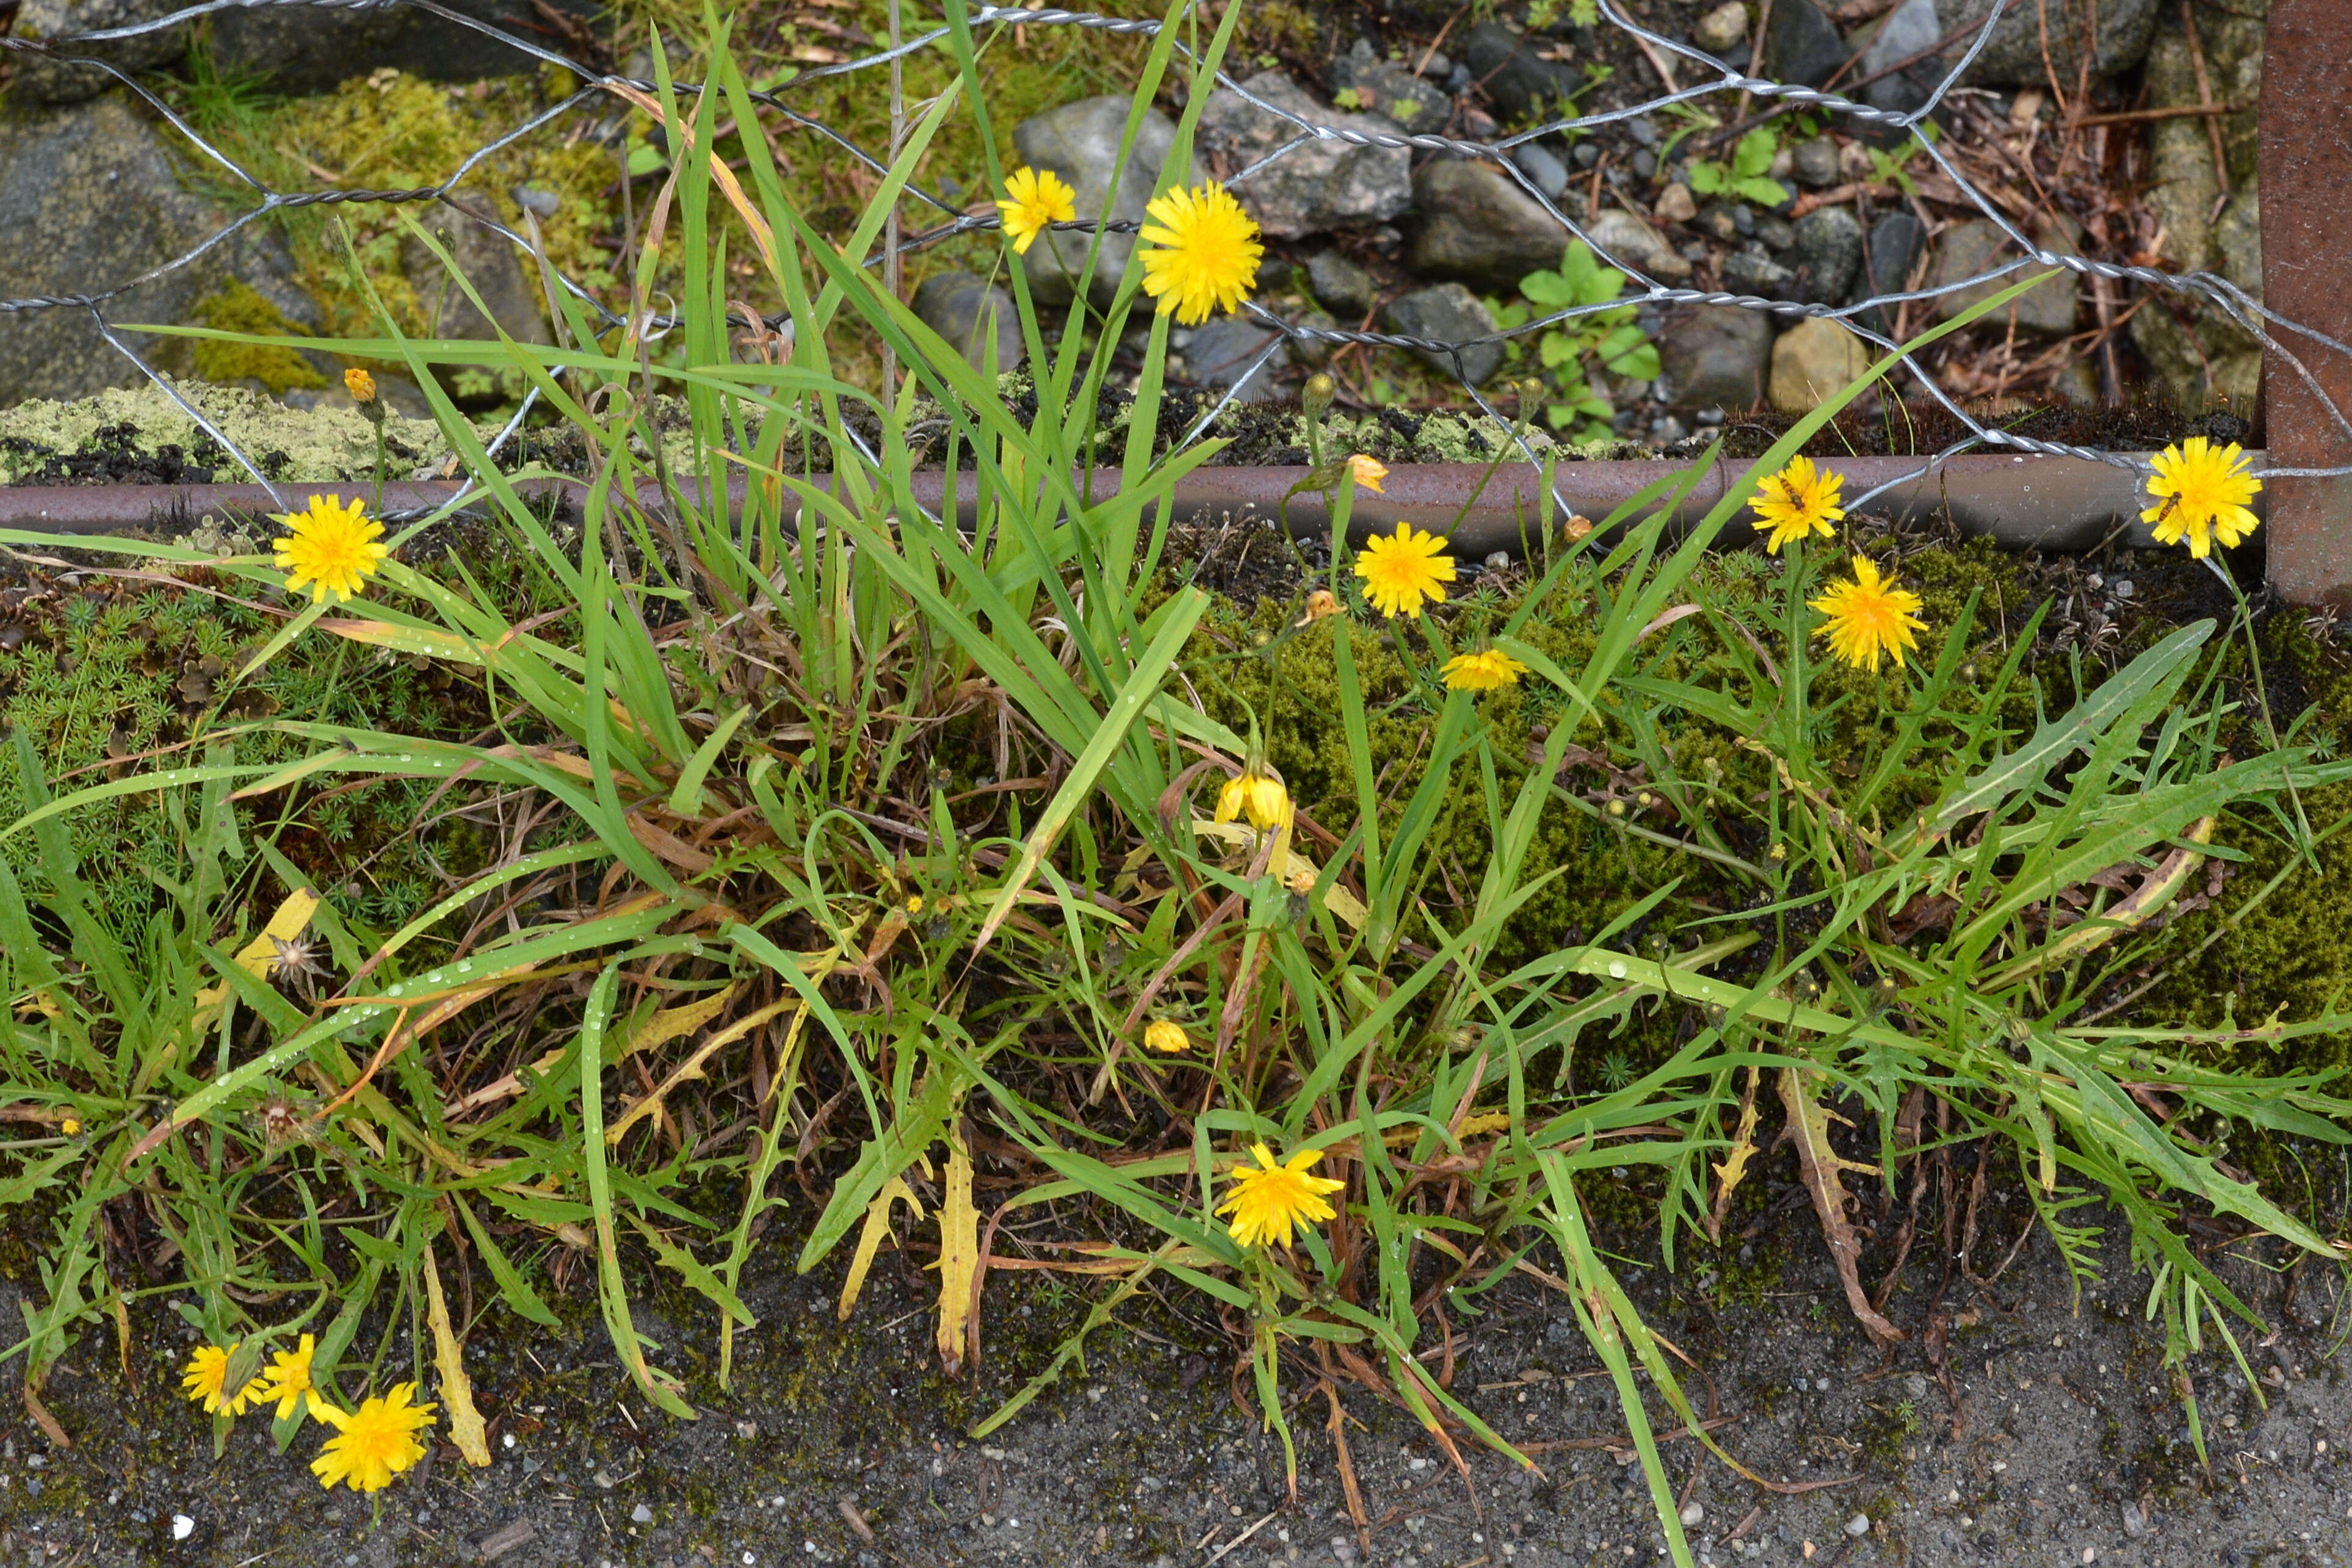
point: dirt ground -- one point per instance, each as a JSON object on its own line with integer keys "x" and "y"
{"x": 845, "y": 1444}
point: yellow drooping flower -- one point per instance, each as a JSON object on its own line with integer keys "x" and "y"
{"x": 360, "y": 384}
{"x": 1201, "y": 253}
{"x": 1869, "y": 618}
{"x": 1798, "y": 501}
{"x": 207, "y": 1371}
{"x": 1257, "y": 795}
{"x": 287, "y": 1381}
{"x": 1165, "y": 1036}
{"x": 2204, "y": 493}
{"x": 1402, "y": 570}
{"x": 331, "y": 547}
{"x": 1270, "y": 1198}
{"x": 1035, "y": 198}
{"x": 1368, "y": 472}
{"x": 374, "y": 1443}
{"x": 1489, "y": 669}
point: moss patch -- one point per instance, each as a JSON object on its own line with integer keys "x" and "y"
{"x": 238, "y": 308}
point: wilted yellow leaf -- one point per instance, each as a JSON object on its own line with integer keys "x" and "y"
{"x": 958, "y": 1259}
{"x": 466, "y": 1428}
{"x": 878, "y": 1226}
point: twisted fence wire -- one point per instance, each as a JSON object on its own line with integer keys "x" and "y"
{"x": 2248, "y": 314}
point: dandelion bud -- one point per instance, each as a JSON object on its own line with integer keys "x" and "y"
{"x": 1577, "y": 527}
{"x": 360, "y": 384}
{"x": 1317, "y": 395}
{"x": 1165, "y": 1036}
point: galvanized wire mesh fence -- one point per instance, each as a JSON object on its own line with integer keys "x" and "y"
{"x": 2288, "y": 342}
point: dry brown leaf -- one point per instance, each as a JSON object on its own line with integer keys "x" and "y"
{"x": 1809, "y": 1127}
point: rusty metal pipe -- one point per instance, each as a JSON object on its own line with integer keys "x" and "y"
{"x": 2025, "y": 502}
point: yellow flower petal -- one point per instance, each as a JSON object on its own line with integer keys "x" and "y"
{"x": 374, "y": 1443}
{"x": 2202, "y": 491}
{"x": 1268, "y": 1201}
{"x": 1201, "y": 253}
{"x": 1799, "y": 501}
{"x": 1402, "y": 570}
{"x": 1869, "y": 618}
{"x": 331, "y": 547}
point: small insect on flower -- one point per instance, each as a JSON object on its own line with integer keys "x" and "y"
{"x": 1165, "y": 1036}
{"x": 2205, "y": 491}
{"x": 1267, "y": 1200}
{"x": 1203, "y": 253}
{"x": 1259, "y": 795}
{"x": 1799, "y": 501}
{"x": 1489, "y": 669}
{"x": 330, "y": 546}
{"x": 1035, "y": 198}
{"x": 289, "y": 1383}
{"x": 1368, "y": 472}
{"x": 1402, "y": 570}
{"x": 374, "y": 1443}
{"x": 1869, "y": 618}
{"x": 207, "y": 1371}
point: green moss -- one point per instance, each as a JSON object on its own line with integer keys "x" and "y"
{"x": 238, "y": 308}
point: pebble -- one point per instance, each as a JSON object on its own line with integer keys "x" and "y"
{"x": 641, "y": 1514}
{"x": 1858, "y": 1525}
{"x": 1645, "y": 163}
{"x": 1693, "y": 1511}
{"x": 2125, "y": 589}
{"x": 1643, "y": 130}
{"x": 1499, "y": 562}
{"x": 1438, "y": 67}
{"x": 1721, "y": 28}
{"x": 183, "y": 1527}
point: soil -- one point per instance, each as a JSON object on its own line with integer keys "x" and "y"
{"x": 2060, "y": 1439}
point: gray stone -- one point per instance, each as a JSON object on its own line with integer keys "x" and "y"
{"x": 46, "y": 80}
{"x": 1714, "y": 356}
{"x": 1896, "y": 242}
{"x": 1814, "y": 163}
{"x": 1778, "y": 233}
{"x": 2013, "y": 56}
{"x": 487, "y": 260}
{"x": 1521, "y": 83}
{"x": 311, "y": 48}
{"x": 1722, "y": 29}
{"x": 1321, "y": 185}
{"x": 1979, "y": 246}
{"x": 1384, "y": 87}
{"x": 960, "y": 307}
{"x": 1223, "y": 349}
{"x": 61, "y": 168}
{"x": 1478, "y": 226}
{"x": 1858, "y": 1525}
{"x": 1800, "y": 45}
{"x": 1621, "y": 236}
{"x": 1826, "y": 254}
{"x": 1751, "y": 269}
{"x": 1812, "y": 361}
{"x": 1549, "y": 174}
{"x": 1909, "y": 29}
{"x": 1080, "y": 141}
{"x": 1451, "y": 314}
{"x": 1340, "y": 284}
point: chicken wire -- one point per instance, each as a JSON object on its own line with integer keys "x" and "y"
{"x": 2263, "y": 325}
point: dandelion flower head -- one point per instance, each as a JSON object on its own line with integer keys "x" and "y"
{"x": 2202, "y": 493}
{"x": 1490, "y": 669}
{"x": 1267, "y": 1200}
{"x": 288, "y": 1381}
{"x": 1400, "y": 570}
{"x": 206, "y": 1372}
{"x": 1256, "y": 795}
{"x": 330, "y": 546}
{"x": 1166, "y": 1037}
{"x": 1035, "y": 198}
{"x": 360, "y": 384}
{"x": 374, "y": 1443}
{"x": 1798, "y": 501}
{"x": 1367, "y": 472}
{"x": 1869, "y": 618}
{"x": 1203, "y": 253}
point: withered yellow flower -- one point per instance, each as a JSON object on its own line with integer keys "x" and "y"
{"x": 207, "y": 1371}
{"x": 360, "y": 384}
{"x": 1256, "y": 794}
{"x": 1489, "y": 669}
{"x": 1367, "y": 472}
{"x": 1165, "y": 1036}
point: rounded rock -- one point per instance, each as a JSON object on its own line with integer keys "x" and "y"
{"x": 1858, "y": 1525}
{"x": 1692, "y": 1513}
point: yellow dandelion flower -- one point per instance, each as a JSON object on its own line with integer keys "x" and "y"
{"x": 1267, "y": 1200}
{"x": 1166, "y": 1037}
{"x": 360, "y": 384}
{"x": 70, "y": 1126}
{"x": 1203, "y": 253}
{"x": 1368, "y": 472}
{"x": 1400, "y": 572}
{"x": 1798, "y": 500}
{"x": 1869, "y": 617}
{"x": 287, "y": 1381}
{"x": 330, "y": 546}
{"x": 1035, "y": 198}
{"x": 1490, "y": 669}
{"x": 2205, "y": 493}
{"x": 1257, "y": 795}
{"x": 374, "y": 1443}
{"x": 207, "y": 1371}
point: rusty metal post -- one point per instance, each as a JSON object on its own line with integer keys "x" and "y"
{"x": 2306, "y": 163}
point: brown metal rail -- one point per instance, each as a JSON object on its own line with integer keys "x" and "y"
{"x": 2042, "y": 503}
